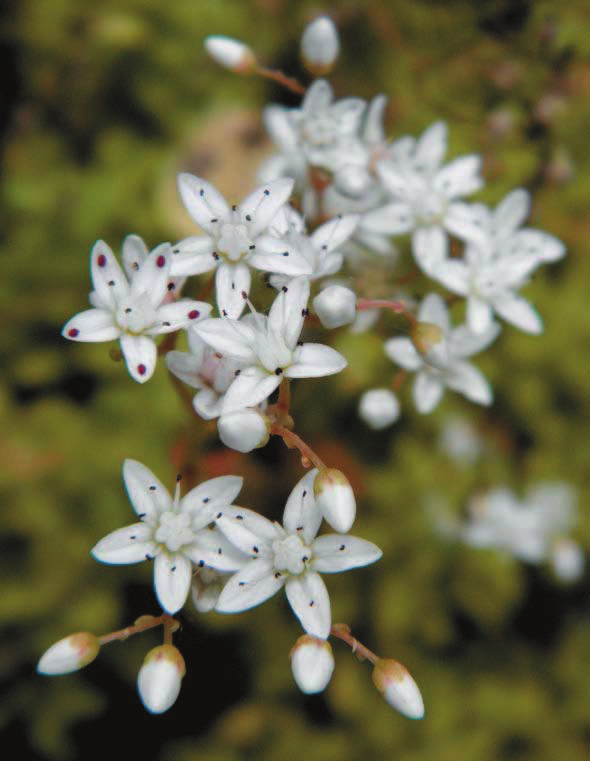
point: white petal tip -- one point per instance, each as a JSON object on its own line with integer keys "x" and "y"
{"x": 69, "y": 654}
{"x": 398, "y": 688}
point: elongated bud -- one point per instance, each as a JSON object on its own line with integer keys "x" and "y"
{"x": 159, "y": 678}
{"x": 320, "y": 46}
{"x": 69, "y": 654}
{"x": 398, "y": 688}
{"x": 335, "y": 499}
{"x": 425, "y": 335}
{"x": 379, "y": 408}
{"x": 312, "y": 664}
{"x": 244, "y": 430}
{"x": 335, "y": 306}
{"x": 231, "y": 54}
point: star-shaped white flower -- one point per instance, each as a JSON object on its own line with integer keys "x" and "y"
{"x": 172, "y": 532}
{"x": 133, "y": 307}
{"x": 233, "y": 241}
{"x": 444, "y": 365}
{"x": 289, "y": 556}
{"x": 268, "y": 348}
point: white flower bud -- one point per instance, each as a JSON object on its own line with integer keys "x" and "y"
{"x": 69, "y": 654}
{"x": 244, "y": 430}
{"x": 206, "y": 588}
{"x": 379, "y": 408}
{"x": 335, "y": 306}
{"x": 231, "y": 54}
{"x": 398, "y": 688}
{"x": 567, "y": 559}
{"x": 335, "y": 499}
{"x": 352, "y": 180}
{"x": 320, "y": 45}
{"x": 312, "y": 664}
{"x": 158, "y": 681}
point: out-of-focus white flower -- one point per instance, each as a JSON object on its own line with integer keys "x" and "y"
{"x": 379, "y": 408}
{"x": 398, "y": 688}
{"x": 567, "y": 559}
{"x": 460, "y": 441}
{"x": 334, "y": 498}
{"x": 69, "y": 654}
{"x": 159, "y": 678}
{"x": 335, "y": 305}
{"x": 231, "y": 54}
{"x": 312, "y": 664}
{"x": 244, "y": 430}
{"x": 320, "y": 45}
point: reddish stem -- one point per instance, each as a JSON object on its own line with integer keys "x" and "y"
{"x": 277, "y": 76}
{"x": 342, "y": 631}
{"x": 293, "y": 440}
{"x": 141, "y": 625}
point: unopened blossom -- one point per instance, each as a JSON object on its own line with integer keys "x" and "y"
{"x": 173, "y": 532}
{"x": 269, "y": 348}
{"x": 425, "y": 193}
{"x": 334, "y": 499}
{"x": 320, "y": 45}
{"x": 244, "y": 430}
{"x": 395, "y": 682}
{"x": 312, "y": 664}
{"x": 231, "y": 54}
{"x": 232, "y": 243}
{"x": 159, "y": 678}
{"x": 445, "y": 364}
{"x": 567, "y": 560}
{"x": 379, "y": 408}
{"x": 289, "y": 556}
{"x": 498, "y": 261}
{"x": 206, "y": 587}
{"x": 69, "y": 654}
{"x": 335, "y": 305}
{"x": 133, "y": 307}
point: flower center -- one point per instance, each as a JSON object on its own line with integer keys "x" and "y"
{"x": 134, "y": 316}
{"x": 291, "y": 555}
{"x": 174, "y": 530}
{"x": 233, "y": 240}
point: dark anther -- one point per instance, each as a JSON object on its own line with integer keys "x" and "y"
{"x": 217, "y": 355}
{"x": 201, "y": 563}
{"x": 165, "y": 324}
{"x": 233, "y": 286}
{"x": 266, "y": 192}
{"x": 233, "y": 207}
{"x": 278, "y": 575}
{"x": 285, "y": 253}
{"x": 148, "y": 556}
{"x": 237, "y": 372}
{"x": 304, "y": 312}
{"x": 111, "y": 282}
{"x": 299, "y": 528}
{"x": 133, "y": 537}
{"x": 304, "y": 493}
{"x": 299, "y": 343}
{"x": 171, "y": 286}
{"x": 239, "y": 517}
{"x": 279, "y": 371}
{"x": 152, "y": 488}
{"x": 224, "y": 312}
{"x": 205, "y": 499}
{"x": 284, "y": 289}
{"x": 252, "y": 247}
{"x": 342, "y": 547}
{"x": 141, "y": 516}
{"x": 311, "y": 603}
{"x": 178, "y": 477}
{"x": 241, "y": 583}
{"x": 219, "y": 551}
{"x": 128, "y": 310}
{"x": 214, "y": 220}
{"x": 215, "y": 255}
{"x": 173, "y": 569}
{"x": 255, "y": 549}
{"x": 248, "y": 217}
{"x": 218, "y": 515}
{"x": 305, "y": 558}
{"x": 202, "y": 192}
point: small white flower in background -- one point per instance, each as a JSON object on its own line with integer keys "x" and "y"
{"x": 206, "y": 588}
{"x": 398, "y": 688}
{"x": 172, "y": 532}
{"x": 460, "y": 441}
{"x": 379, "y": 408}
{"x": 498, "y": 261}
{"x": 320, "y": 45}
{"x": 159, "y": 678}
{"x": 335, "y": 305}
{"x": 312, "y": 664}
{"x": 69, "y": 654}
{"x": 133, "y": 307}
{"x": 289, "y": 556}
{"x": 334, "y": 499}
{"x": 567, "y": 560}
{"x": 444, "y": 365}
{"x": 268, "y": 348}
{"x": 233, "y": 241}
{"x": 425, "y": 194}
{"x": 244, "y": 430}
{"x": 231, "y": 54}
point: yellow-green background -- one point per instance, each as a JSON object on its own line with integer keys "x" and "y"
{"x": 103, "y": 103}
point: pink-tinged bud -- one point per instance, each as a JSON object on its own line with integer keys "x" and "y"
{"x": 244, "y": 430}
{"x": 335, "y": 499}
{"x": 320, "y": 46}
{"x": 69, "y": 654}
{"x": 398, "y": 688}
{"x": 335, "y": 306}
{"x": 231, "y": 54}
{"x": 312, "y": 664}
{"x": 158, "y": 681}
{"x": 379, "y": 408}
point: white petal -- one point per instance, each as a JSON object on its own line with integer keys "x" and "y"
{"x": 433, "y": 309}
{"x": 544, "y": 247}
{"x": 512, "y": 211}
{"x": 402, "y": 351}
{"x": 333, "y": 553}
{"x": 519, "y": 312}
{"x": 460, "y": 177}
{"x": 263, "y": 204}
{"x": 464, "y": 342}
{"x": 479, "y": 314}
{"x": 252, "y": 386}
{"x": 301, "y": 514}
{"x": 140, "y": 356}
{"x": 280, "y": 128}
{"x": 453, "y": 275}
{"x": 185, "y": 366}
{"x": 431, "y": 148}
{"x": 276, "y": 255}
{"x": 134, "y": 254}
{"x": 146, "y": 493}
{"x": 431, "y": 247}
{"x": 92, "y": 325}
{"x": 202, "y": 200}
{"x": 208, "y": 404}
{"x": 214, "y": 493}
{"x": 332, "y": 234}
{"x": 317, "y": 97}
{"x": 108, "y": 278}
{"x": 193, "y": 256}
{"x": 69, "y": 654}
{"x": 394, "y": 219}
{"x": 310, "y": 602}
{"x": 288, "y": 311}
{"x": 153, "y": 275}
{"x": 228, "y": 337}
{"x": 172, "y": 580}
{"x": 212, "y": 549}
{"x": 348, "y": 113}
{"x": 231, "y": 282}
{"x": 179, "y": 314}
{"x": 427, "y": 392}
{"x": 251, "y": 586}
{"x": 131, "y": 544}
{"x": 248, "y": 531}
{"x": 469, "y": 381}
{"x": 467, "y": 221}
{"x": 393, "y": 179}
{"x": 315, "y": 361}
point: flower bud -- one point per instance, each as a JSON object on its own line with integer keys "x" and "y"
{"x": 398, "y": 688}
{"x": 567, "y": 559}
{"x": 231, "y": 54}
{"x": 158, "y": 681}
{"x": 206, "y": 588}
{"x": 335, "y": 306}
{"x": 335, "y": 499}
{"x": 312, "y": 664}
{"x": 69, "y": 654}
{"x": 379, "y": 408}
{"x": 320, "y": 46}
{"x": 244, "y": 430}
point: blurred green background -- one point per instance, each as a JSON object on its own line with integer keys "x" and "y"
{"x": 102, "y": 104}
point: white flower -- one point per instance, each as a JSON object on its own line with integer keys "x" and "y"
{"x": 444, "y": 365}
{"x": 398, "y": 688}
{"x": 460, "y": 440}
{"x": 233, "y": 241}
{"x": 567, "y": 560}
{"x": 425, "y": 193}
{"x": 244, "y": 430}
{"x": 320, "y": 45}
{"x": 289, "y": 556}
{"x": 159, "y": 678}
{"x": 379, "y": 408}
{"x": 268, "y": 348}
{"x": 172, "y": 532}
{"x": 498, "y": 261}
{"x": 231, "y": 54}
{"x": 134, "y": 307}
{"x": 312, "y": 664}
{"x": 335, "y": 306}
{"x": 69, "y": 654}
